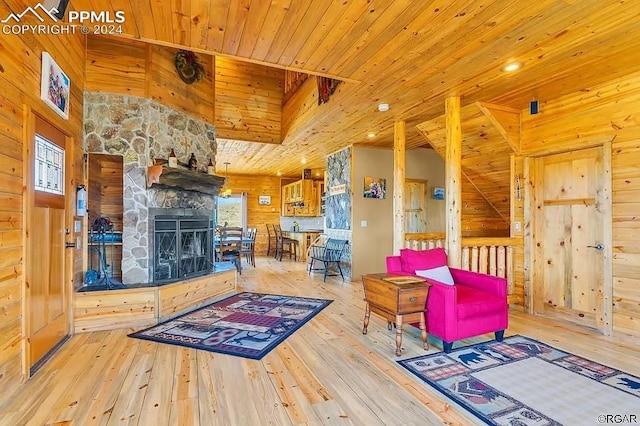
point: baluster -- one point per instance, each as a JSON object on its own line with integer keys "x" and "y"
{"x": 510, "y": 270}
{"x": 465, "y": 258}
{"x": 474, "y": 259}
{"x": 502, "y": 262}
{"x": 484, "y": 259}
{"x": 493, "y": 267}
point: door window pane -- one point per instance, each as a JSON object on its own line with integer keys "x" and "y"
{"x": 49, "y": 167}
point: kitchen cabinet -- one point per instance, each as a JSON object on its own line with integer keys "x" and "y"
{"x": 286, "y": 194}
{"x": 300, "y": 198}
{"x": 288, "y": 209}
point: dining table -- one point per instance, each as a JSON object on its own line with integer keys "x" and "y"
{"x": 217, "y": 241}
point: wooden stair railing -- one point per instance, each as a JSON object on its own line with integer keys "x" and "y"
{"x": 487, "y": 255}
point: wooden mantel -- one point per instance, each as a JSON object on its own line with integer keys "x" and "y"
{"x": 184, "y": 179}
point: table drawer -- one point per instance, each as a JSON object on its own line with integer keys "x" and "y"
{"x": 412, "y": 299}
{"x": 381, "y": 294}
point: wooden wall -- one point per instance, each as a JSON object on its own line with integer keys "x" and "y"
{"x": 479, "y": 217}
{"x": 242, "y": 100}
{"x": 105, "y": 184}
{"x": 486, "y": 163}
{"x": 20, "y": 71}
{"x": 145, "y": 70}
{"x": 248, "y": 100}
{"x": 258, "y": 215}
{"x": 608, "y": 112}
{"x": 517, "y": 293}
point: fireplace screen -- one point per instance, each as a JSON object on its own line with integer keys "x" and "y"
{"x": 182, "y": 247}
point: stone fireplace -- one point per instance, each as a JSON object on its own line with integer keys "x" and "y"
{"x": 142, "y": 130}
{"x": 183, "y": 246}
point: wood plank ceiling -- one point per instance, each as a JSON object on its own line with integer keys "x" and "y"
{"x": 408, "y": 53}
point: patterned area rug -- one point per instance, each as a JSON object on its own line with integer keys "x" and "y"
{"x": 522, "y": 382}
{"x": 246, "y": 324}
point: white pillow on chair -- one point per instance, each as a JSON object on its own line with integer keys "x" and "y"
{"x": 440, "y": 274}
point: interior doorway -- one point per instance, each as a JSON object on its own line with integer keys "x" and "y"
{"x": 47, "y": 221}
{"x": 415, "y": 206}
{"x": 571, "y": 243}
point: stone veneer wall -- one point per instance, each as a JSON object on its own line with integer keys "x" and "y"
{"x": 338, "y": 207}
{"x": 140, "y": 130}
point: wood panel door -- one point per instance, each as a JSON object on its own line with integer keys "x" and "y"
{"x": 415, "y": 206}
{"x": 570, "y": 238}
{"x": 47, "y": 279}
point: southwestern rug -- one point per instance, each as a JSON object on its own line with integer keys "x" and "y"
{"x": 247, "y": 324}
{"x": 523, "y": 382}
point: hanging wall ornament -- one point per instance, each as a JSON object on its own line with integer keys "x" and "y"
{"x": 189, "y": 67}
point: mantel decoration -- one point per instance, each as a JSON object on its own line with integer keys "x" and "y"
{"x": 183, "y": 179}
{"x": 189, "y": 67}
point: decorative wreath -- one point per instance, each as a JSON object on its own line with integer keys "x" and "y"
{"x": 189, "y": 67}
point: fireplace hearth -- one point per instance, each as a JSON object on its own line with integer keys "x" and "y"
{"x": 183, "y": 247}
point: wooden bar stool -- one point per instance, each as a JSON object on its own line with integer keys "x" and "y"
{"x": 285, "y": 245}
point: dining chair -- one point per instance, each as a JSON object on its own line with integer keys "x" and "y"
{"x": 249, "y": 246}
{"x": 329, "y": 254}
{"x": 271, "y": 238}
{"x": 230, "y": 247}
{"x": 285, "y": 245}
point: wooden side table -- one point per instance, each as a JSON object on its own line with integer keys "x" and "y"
{"x": 398, "y": 299}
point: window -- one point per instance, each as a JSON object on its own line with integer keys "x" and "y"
{"x": 232, "y": 211}
{"x": 49, "y": 166}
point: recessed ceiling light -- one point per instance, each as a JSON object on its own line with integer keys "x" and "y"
{"x": 513, "y": 66}
{"x": 303, "y": 161}
{"x": 371, "y": 135}
{"x": 279, "y": 173}
{"x": 383, "y": 107}
{"x": 317, "y": 173}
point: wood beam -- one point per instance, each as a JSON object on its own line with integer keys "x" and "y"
{"x": 607, "y": 237}
{"x": 453, "y": 177}
{"x": 506, "y": 120}
{"x": 399, "y": 152}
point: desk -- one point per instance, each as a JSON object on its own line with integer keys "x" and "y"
{"x": 396, "y": 301}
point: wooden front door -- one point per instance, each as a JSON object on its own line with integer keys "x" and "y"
{"x": 415, "y": 206}
{"x": 570, "y": 243}
{"x": 48, "y": 291}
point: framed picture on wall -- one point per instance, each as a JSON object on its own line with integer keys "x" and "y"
{"x": 264, "y": 200}
{"x": 55, "y": 86}
{"x": 374, "y": 187}
{"x": 438, "y": 193}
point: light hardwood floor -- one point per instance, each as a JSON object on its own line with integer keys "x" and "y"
{"x": 327, "y": 372}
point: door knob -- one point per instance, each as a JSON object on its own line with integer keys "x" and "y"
{"x": 598, "y": 247}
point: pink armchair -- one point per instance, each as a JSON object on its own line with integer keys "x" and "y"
{"x": 476, "y": 303}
